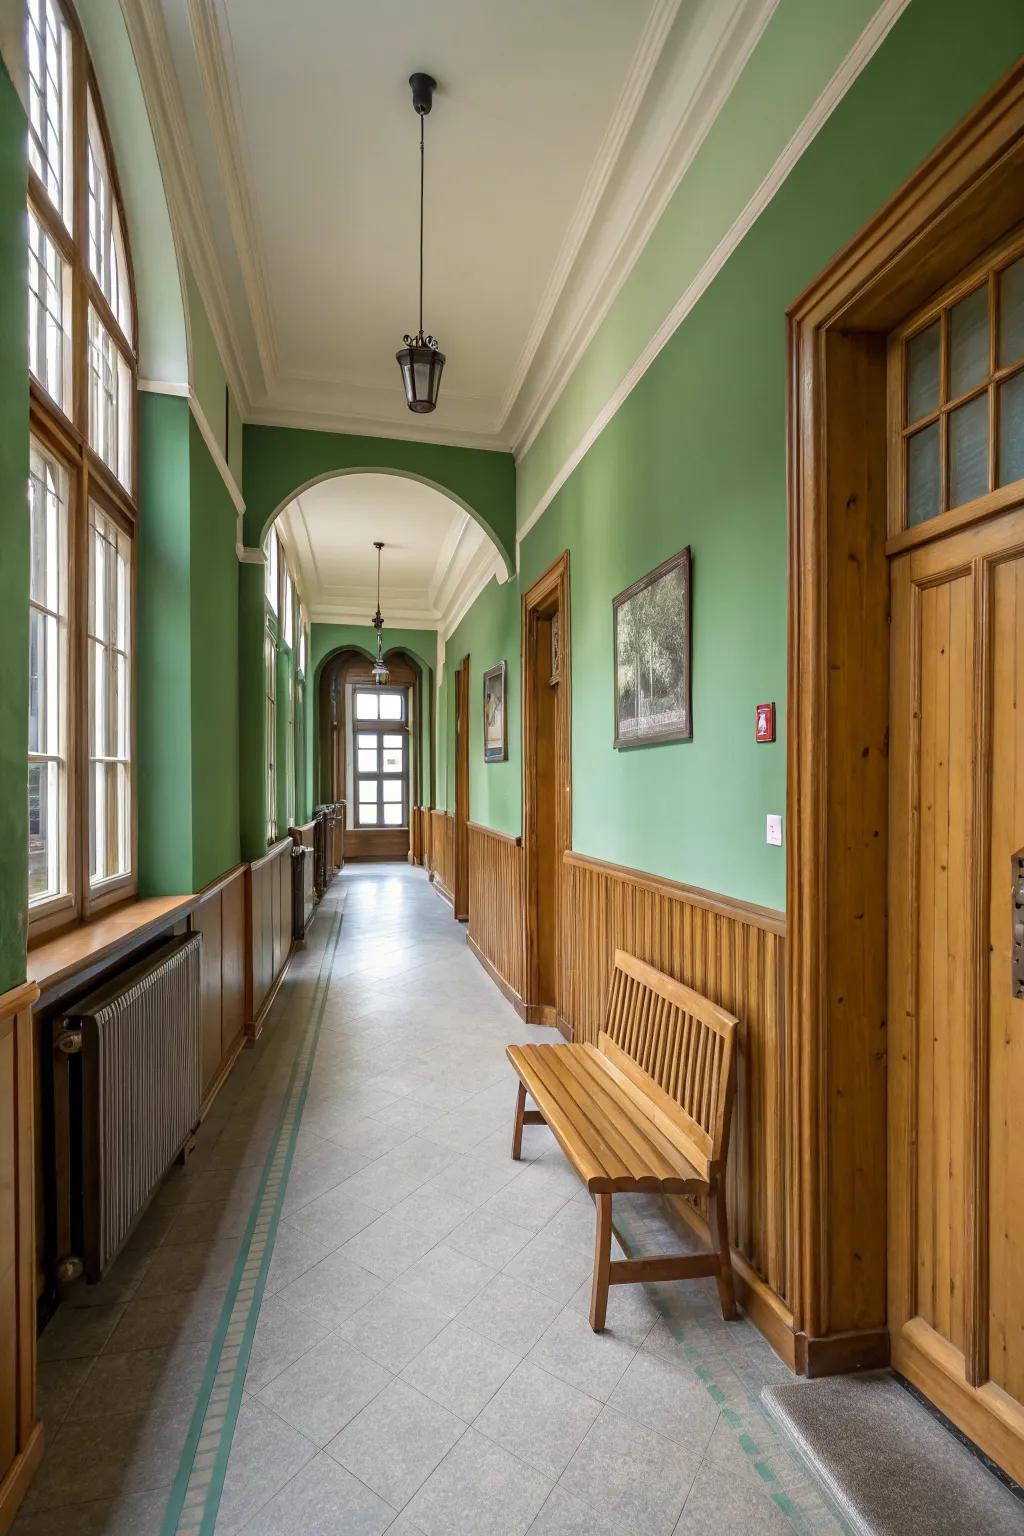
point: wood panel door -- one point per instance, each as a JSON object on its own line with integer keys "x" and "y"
{"x": 956, "y": 1019}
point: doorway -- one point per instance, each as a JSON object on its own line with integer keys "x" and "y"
{"x": 547, "y": 781}
{"x": 906, "y": 683}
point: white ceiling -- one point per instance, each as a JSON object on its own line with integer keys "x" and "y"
{"x": 435, "y": 557}
{"x": 559, "y": 131}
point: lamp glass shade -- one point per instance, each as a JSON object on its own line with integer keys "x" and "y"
{"x": 421, "y": 376}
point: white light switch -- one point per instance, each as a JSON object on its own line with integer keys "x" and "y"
{"x": 773, "y": 833}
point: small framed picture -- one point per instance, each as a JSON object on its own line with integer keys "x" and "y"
{"x": 651, "y": 642}
{"x": 495, "y": 721}
{"x": 764, "y": 723}
{"x": 556, "y": 655}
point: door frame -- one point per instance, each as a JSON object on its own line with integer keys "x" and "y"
{"x": 962, "y": 199}
{"x": 554, "y": 582}
{"x": 460, "y": 883}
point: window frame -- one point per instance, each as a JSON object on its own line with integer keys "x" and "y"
{"x": 270, "y": 729}
{"x": 380, "y": 729}
{"x": 996, "y": 498}
{"x": 62, "y": 430}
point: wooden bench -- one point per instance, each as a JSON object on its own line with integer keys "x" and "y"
{"x": 646, "y": 1109}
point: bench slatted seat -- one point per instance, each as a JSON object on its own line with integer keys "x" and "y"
{"x": 645, "y": 1110}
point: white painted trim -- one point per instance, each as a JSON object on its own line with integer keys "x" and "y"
{"x": 860, "y": 54}
{"x": 585, "y": 311}
{"x": 186, "y": 392}
{"x": 413, "y": 431}
{"x": 323, "y": 613}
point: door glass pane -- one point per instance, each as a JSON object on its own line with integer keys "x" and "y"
{"x": 968, "y": 451}
{"x": 923, "y": 373}
{"x": 390, "y": 739}
{"x": 367, "y": 814}
{"x": 43, "y": 831}
{"x": 366, "y": 706}
{"x": 923, "y": 475}
{"x": 392, "y": 760}
{"x": 366, "y": 739}
{"x": 367, "y": 760}
{"x": 368, "y": 791}
{"x": 968, "y": 342}
{"x": 392, "y": 815}
{"x": 1011, "y": 430}
{"x": 391, "y": 790}
{"x": 1011, "y": 314}
{"x": 391, "y": 706}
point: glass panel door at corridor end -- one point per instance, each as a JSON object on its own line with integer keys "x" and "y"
{"x": 381, "y": 754}
{"x": 956, "y": 987}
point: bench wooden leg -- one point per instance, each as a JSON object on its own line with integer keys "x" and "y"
{"x": 602, "y": 1262}
{"x": 720, "y": 1237}
{"x": 517, "y": 1130}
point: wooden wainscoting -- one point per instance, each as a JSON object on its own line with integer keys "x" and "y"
{"x": 734, "y": 954}
{"x": 268, "y": 931}
{"x": 442, "y": 853}
{"x": 423, "y": 815}
{"x": 497, "y": 910}
{"x": 219, "y": 915}
{"x": 21, "y": 1433}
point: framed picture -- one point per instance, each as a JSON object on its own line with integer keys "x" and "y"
{"x": 651, "y": 623}
{"x": 495, "y": 720}
{"x": 556, "y": 649}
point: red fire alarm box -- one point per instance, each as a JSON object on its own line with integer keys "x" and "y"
{"x": 764, "y": 726}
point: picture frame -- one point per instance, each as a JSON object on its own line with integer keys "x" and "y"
{"x": 651, "y": 653}
{"x": 556, "y": 649}
{"x": 495, "y": 718}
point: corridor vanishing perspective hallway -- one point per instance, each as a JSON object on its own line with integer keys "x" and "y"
{"x": 352, "y": 1312}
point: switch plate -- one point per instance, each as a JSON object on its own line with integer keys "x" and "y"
{"x": 773, "y": 831}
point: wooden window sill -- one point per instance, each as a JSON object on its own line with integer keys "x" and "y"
{"x": 58, "y": 964}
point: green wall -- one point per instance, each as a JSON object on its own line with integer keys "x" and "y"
{"x": 697, "y": 455}
{"x": 13, "y": 539}
{"x": 187, "y": 687}
{"x": 489, "y": 633}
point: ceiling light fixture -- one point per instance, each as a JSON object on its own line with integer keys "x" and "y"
{"x": 421, "y": 360}
{"x": 379, "y": 670}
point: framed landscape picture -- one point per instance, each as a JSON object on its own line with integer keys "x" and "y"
{"x": 495, "y": 721}
{"x": 651, "y": 623}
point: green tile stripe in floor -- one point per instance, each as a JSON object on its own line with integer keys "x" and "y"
{"x": 195, "y": 1497}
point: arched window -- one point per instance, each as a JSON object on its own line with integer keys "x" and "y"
{"x": 83, "y": 508}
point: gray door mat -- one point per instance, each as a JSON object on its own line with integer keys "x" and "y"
{"x": 891, "y": 1468}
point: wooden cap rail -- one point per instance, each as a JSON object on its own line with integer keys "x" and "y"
{"x": 646, "y": 1110}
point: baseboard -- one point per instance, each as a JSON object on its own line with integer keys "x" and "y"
{"x": 541, "y": 1013}
{"x": 767, "y": 1311}
{"x": 564, "y": 1028}
{"x": 502, "y": 985}
{"x": 223, "y": 1073}
{"x": 442, "y": 890}
{"x": 836, "y": 1354}
{"x": 19, "y": 1475}
{"x": 255, "y": 1029}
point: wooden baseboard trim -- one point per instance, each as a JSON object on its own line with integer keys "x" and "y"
{"x": 541, "y": 1013}
{"x": 767, "y": 1311}
{"x": 502, "y": 985}
{"x": 836, "y": 1354}
{"x": 442, "y": 890}
{"x": 19, "y": 1475}
{"x": 564, "y": 1028}
{"x": 223, "y": 1073}
{"x": 255, "y": 1029}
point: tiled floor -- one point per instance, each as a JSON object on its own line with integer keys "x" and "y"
{"x": 422, "y": 1362}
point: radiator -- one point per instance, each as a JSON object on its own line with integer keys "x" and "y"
{"x": 138, "y": 1055}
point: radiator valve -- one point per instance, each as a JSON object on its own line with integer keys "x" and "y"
{"x": 69, "y": 1041}
{"x": 69, "y": 1269}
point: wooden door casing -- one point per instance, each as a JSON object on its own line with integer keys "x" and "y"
{"x": 956, "y": 1053}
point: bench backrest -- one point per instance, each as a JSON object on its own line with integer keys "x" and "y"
{"x": 677, "y": 1048}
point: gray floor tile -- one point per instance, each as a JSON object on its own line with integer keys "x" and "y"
{"x": 479, "y": 1490}
{"x": 133, "y": 1514}
{"x": 510, "y": 1314}
{"x": 592, "y": 1362}
{"x": 552, "y": 1266}
{"x": 393, "y": 1328}
{"x": 728, "y": 1496}
{"x": 325, "y": 1388}
{"x": 566, "y": 1515}
{"x": 389, "y": 1245}
{"x": 538, "y": 1418}
{"x": 322, "y": 1500}
{"x": 282, "y": 1335}
{"x": 488, "y": 1237}
{"x": 297, "y": 1249}
{"x": 332, "y": 1290}
{"x": 531, "y": 1208}
{"x": 460, "y": 1370}
{"x": 78, "y": 1331}
{"x": 158, "y": 1321}
{"x": 266, "y": 1454}
{"x": 397, "y": 1441}
{"x": 446, "y": 1278}
{"x": 57, "y": 1384}
{"x": 673, "y": 1402}
{"x": 633, "y": 1474}
{"x": 633, "y": 1310}
{"x": 109, "y": 1458}
{"x": 143, "y": 1381}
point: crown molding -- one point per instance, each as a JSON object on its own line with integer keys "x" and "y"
{"x": 863, "y": 50}
{"x": 189, "y": 215}
{"x": 330, "y": 613}
{"x": 725, "y": 40}
{"x": 364, "y": 426}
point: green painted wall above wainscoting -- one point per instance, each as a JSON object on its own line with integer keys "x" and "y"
{"x": 488, "y": 634}
{"x": 13, "y": 539}
{"x": 696, "y": 455}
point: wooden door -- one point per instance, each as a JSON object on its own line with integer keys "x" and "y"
{"x": 956, "y": 1055}
{"x": 460, "y": 891}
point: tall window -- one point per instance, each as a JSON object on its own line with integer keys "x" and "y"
{"x": 270, "y": 728}
{"x": 82, "y": 489}
{"x": 381, "y": 731}
{"x": 289, "y": 761}
{"x": 271, "y": 551}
